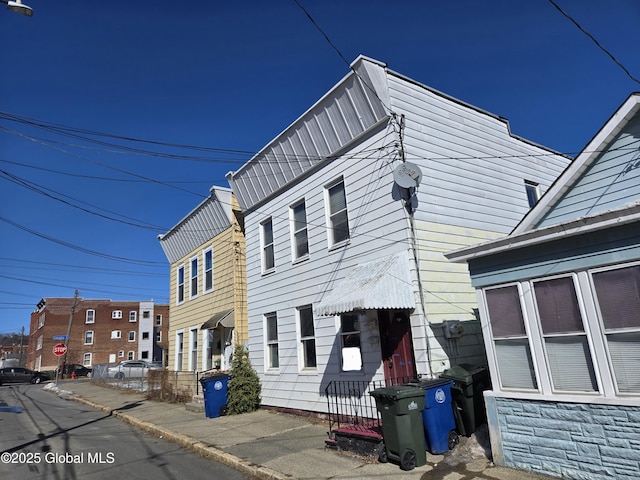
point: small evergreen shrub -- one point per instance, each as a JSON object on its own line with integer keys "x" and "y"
{"x": 244, "y": 387}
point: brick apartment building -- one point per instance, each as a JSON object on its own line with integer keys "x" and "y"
{"x": 102, "y": 331}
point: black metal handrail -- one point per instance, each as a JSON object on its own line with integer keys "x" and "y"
{"x": 349, "y": 403}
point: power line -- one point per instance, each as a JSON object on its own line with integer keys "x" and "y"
{"x": 592, "y": 38}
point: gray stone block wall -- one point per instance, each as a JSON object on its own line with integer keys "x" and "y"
{"x": 569, "y": 440}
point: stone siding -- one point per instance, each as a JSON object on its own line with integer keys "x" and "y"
{"x": 569, "y": 440}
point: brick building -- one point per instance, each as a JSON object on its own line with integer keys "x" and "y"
{"x": 102, "y": 331}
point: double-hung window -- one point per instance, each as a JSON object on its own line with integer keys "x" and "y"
{"x": 193, "y": 292}
{"x": 338, "y": 221}
{"x": 350, "y": 339}
{"x": 513, "y": 352}
{"x": 307, "y": 337}
{"x": 180, "y": 284}
{"x": 618, "y": 300}
{"x": 271, "y": 336}
{"x": 300, "y": 240}
{"x": 208, "y": 269}
{"x": 565, "y": 340}
{"x": 90, "y": 316}
{"x": 88, "y": 337}
{"x": 133, "y": 316}
{"x": 268, "y": 258}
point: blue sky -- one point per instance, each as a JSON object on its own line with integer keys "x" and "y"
{"x": 227, "y": 77}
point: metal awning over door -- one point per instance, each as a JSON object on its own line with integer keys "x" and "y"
{"x": 382, "y": 283}
{"x": 226, "y": 318}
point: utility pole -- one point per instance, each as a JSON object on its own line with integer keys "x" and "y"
{"x": 21, "y": 340}
{"x": 66, "y": 341}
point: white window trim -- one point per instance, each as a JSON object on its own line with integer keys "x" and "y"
{"x": 293, "y": 231}
{"x": 158, "y": 320}
{"x": 263, "y": 247}
{"x": 92, "y": 337}
{"x": 302, "y": 368}
{"x": 177, "y": 352}
{"x": 129, "y": 336}
{"x": 115, "y": 334}
{"x": 596, "y": 340}
{"x": 184, "y": 279}
{"x": 327, "y": 211}
{"x": 193, "y": 294}
{"x": 193, "y": 342}
{"x": 93, "y": 316}
{"x": 133, "y": 316}
{"x": 268, "y": 369}
{"x": 116, "y": 314}
{"x": 204, "y": 270}
{"x": 88, "y": 355}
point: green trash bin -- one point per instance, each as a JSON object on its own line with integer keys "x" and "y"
{"x": 469, "y": 381}
{"x": 402, "y": 429}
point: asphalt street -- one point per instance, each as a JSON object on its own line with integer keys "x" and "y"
{"x": 53, "y": 438}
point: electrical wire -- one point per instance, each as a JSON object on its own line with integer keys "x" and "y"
{"x": 592, "y": 38}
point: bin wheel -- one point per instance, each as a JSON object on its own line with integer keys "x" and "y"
{"x": 453, "y": 440}
{"x": 223, "y": 410}
{"x": 408, "y": 460}
{"x": 382, "y": 456}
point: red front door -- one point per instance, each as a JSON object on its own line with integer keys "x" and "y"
{"x": 397, "y": 347}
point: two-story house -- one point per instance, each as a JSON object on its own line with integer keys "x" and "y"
{"x": 348, "y": 212}
{"x": 560, "y": 307}
{"x": 208, "y": 294}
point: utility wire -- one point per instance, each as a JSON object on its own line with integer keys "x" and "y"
{"x": 592, "y": 38}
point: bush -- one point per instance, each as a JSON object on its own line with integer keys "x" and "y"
{"x": 244, "y": 386}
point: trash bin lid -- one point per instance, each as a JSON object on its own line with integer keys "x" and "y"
{"x": 397, "y": 392}
{"x": 428, "y": 383}
{"x": 463, "y": 373}
{"x": 213, "y": 377}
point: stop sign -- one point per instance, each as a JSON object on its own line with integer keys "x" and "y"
{"x": 60, "y": 349}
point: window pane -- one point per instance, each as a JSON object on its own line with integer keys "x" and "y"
{"x": 309, "y": 347}
{"x": 558, "y": 306}
{"x": 208, "y": 260}
{"x": 306, "y": 322}
{"x": 274, "y": 361}
{"x": 624, "y": 349}
{"x": 302, "y": 244}
{"x": 618, "y": 293}
{"x": 349, "y": 323}
{"x": 505, "y": 312}
{"x": 515, "y": 364}
{"x": 337, "y": 199}
{"x": 267, "y": 232}
{"x": 299, "y": 217}
{"x": 570, "y": 364}
{"x": 269, "y": 262}
{"x": 272, "y": 328}
{"x": 340, "y": 227}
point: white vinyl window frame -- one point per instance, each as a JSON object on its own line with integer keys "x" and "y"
{"x": 87, "y": 359}
{"x": 179, "y": 351}
{"x": 299, "y": 231}
{"x": 194, "y": 266}
{"x": 207, "y": 266}
{"x": 271, "y": 342}
{"x": 115, "y": 334}
{"x": 267, "y": 246}
{"x": 116, "y": 314}
{"x": 307, "y": 353}
{"x": 90, "y": 316}
{"x": 180, "y": 279}
{"x": 132, "y": 336}
{"x": 88, "y": 337}
{"x": 133, "y": 316}
{"x": 337, "y": 213}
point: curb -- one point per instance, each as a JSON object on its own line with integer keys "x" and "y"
{"x": 196, "y": 446}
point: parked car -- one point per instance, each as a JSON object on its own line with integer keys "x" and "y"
{"x": 132, "y": 369}
{"x": 79, "y": 370}
{"x": 22, "y": 375}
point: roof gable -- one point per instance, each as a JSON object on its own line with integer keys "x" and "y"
{"x": 604, "y": 176}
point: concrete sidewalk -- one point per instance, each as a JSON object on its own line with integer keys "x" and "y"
{"x": 271, "y": 445}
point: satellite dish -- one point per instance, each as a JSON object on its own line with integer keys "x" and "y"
{"x": 407, "y": 175}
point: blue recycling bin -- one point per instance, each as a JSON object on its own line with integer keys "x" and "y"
{"x": 214, "y": 388}
{"x": 437, "y": 416}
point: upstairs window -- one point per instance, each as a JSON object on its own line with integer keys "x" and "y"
{"x": 208, "y": 270}
{"x": 132, "y": 336}
{"x": 116, "y": 314}
{"x": 90, "y": 316}
{"x": 180, "y": 284}
{"x": 268, "y": 258}
{"x": 88, "y": 337}
{"x": 116, "y": 334}
{"x": 533, "y": 192}
{"x": 338, "y": 221}
{"x": 159, "y": 319}
{"x": 300, "y": 241}
{"x": 133, "y": 316}
{"x": 194, "y": 277}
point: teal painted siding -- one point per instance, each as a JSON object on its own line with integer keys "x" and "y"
{"x": 604, "y": 247}
{"x": 612, "y": 181}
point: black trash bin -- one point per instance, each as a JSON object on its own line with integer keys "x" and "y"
{"x": 214, "y": 388}
{"x": 469, "y": 381}
{"x": 401, "y": 410}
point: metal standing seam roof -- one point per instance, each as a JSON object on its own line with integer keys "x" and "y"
{"x": 382, "y": 283}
